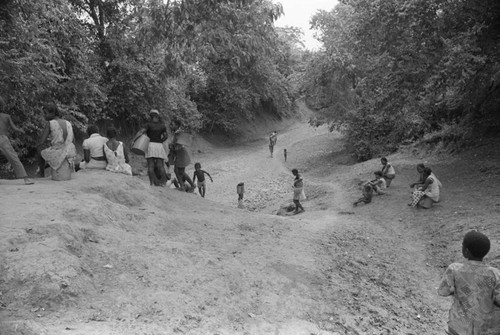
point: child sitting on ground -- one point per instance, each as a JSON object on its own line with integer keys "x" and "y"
{"x": 379, "y": 185}
{"x": 475, "y": 287}
{"x": 367, "y": 195}
{"x": 388, "y": 171}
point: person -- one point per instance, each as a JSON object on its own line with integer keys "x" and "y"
{"x": 62, "y": 148}
{"x": 284, "y": 152}
{"x": 116, "y": 154}
{"x": 421, "y": 179}
{"x": 6, "y": 148}
{"x": 273, "y": 138}
{"x": 156, "y": 130}
{"x": 240, "y": 190}
{"x": 200, "y": 174}
{"x": 475, "y": 288}
{"x": 388, "y": 172}
{"x": 181, "y": 156}
{"x": 93, "y": 150}
{"x": 379, "y": 184}
{"x": 429, "y": 189}
{"x": 298, "y": 192}
{"x": 367, "y": 195}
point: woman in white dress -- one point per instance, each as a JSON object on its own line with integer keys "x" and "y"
{"x": 116, "y": 155}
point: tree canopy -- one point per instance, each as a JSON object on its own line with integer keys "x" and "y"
{"x": 392, "y": 71}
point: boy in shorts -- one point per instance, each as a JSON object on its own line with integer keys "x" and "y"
{"x": 200, "y": 174}
{"x": 475, "y": 288}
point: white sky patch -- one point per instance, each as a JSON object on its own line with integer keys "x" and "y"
{"x": 298, "y": 13}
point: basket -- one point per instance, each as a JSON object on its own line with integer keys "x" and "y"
{"x": 185, "y": 139}
{"x": 140, "y": 146}
{"x": 63, "y": 172}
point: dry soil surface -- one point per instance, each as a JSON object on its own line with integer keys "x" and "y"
{"x": 108, "y": 254}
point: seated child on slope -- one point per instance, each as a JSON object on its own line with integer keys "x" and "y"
{"x": 367, "y": 195}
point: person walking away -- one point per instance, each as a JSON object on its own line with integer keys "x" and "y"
{"x": 273, "y": 138}
{"x": 156, "y": 130}
{"x": 475, "y": 288}
{"x": 388, "y": 172}
{"x": 200, "y": 174}
{"x": 298, "y": 191}
{"x": 284, "y": 152}
{"x": 62, "y": 148}
{"x": 6, "y": 148}
{"x": 116, "y": 155}
{"x": 93, "y": 150}
{"x": 182, "y": 158}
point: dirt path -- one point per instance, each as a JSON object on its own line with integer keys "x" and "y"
{"x": 107, "y": 254}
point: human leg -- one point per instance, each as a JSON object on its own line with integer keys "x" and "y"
{"x": 160, "y": 167}
{"x": 151, "y": 171}
{"x": 11, "y": 155}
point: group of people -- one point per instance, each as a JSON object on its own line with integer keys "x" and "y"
{"x": 426, "y": 190}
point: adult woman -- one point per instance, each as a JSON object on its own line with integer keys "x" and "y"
{"x": 116, "y": 155}
{"x": 181, "y": 157}
{"x": 429, "y": 189}
{"x": 156, "y": 130}
{"x": 61, "y": 136}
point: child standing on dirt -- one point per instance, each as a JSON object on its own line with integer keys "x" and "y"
{"x": 367, "y": 195}
{"x": 475, "y": 287}
{"x": 298, "y": 192}
{"x": 200, "y": 174}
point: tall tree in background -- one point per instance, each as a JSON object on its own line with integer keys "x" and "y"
{"x": 395, "y": 71}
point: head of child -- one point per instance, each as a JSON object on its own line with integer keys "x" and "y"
{"x": 295, "y": 172}
{"x": 383, "y": 160}
{"x": 92, "y": 129}
{"x": 475, "y": 245}
{"x": 197, "y": 166}
{"x": 427, "y": 172}
{"x": 378, "y": 174}
{"x": 420, "y": 168}
{"x": 367, "y": 188}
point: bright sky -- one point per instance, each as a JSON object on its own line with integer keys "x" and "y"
{"x": 299, "y": 12}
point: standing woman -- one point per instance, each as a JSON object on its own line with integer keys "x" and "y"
{"x": 156, "y": 130}
{"x": 181, "y": 157}
{"x": 298, "y": 191}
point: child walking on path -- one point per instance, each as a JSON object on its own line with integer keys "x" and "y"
{"x": 298, "y": 192}
{"x": 475, "y": 287}
{"x": 200, "y": 174}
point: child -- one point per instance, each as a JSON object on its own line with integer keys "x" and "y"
{"x": 200, "y": 174}
{"x": 240, "y": 189}
{"x": 298, "y": 191}
{"x": 475, "y": 287}
{"x": 273, "y": 138}
{"x": 284, "y": 151}
{"x": 367, "y": 195}
{"x": 378, "y": 183}
{"x": 388, "y": 171}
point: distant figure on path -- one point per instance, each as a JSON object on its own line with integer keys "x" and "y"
{"x": 93, "y": 150}
{"x": 475, "y": 288}
{"x": 298, "y": 192}
{"x": 60, "y": 133}
{"x": 240, "y": 189}
{"x": 6, "y": 148}
{"x": 388, "y": 171}
{"x": 200, "y": 174}
{"x": 116, "y": 155}
{"x": 273, "y": 138}
{"x": 284, "y": 152}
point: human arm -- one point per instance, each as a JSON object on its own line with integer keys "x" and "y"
{"x": 43, "y": 137}
{"x": 447, "y": 285}
{"x": 428, "y": 181}
{"x": 13, "y": 126}
{"x": 209, "y": 176}
{"x": 86, "y": 151}
{"x": 125, "y": 153}
{"x": 496, "y": 292}
{"x": 194, "y": 177}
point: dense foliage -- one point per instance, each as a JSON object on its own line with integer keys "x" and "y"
{"x": 396, "y": 71}
{"x": 208, "y": 63}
